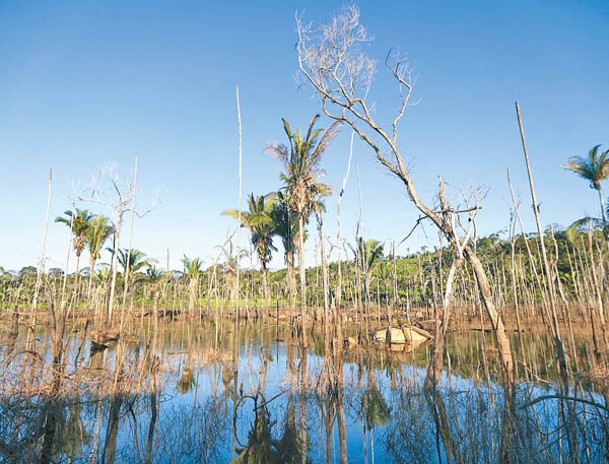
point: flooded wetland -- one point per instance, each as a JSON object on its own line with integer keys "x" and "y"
{"x": 369, "y": 279}
{"x": 184, "y": 392}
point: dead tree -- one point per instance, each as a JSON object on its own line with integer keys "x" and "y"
{"x": 119, "y": 198}
{"x": 331, "y": 60}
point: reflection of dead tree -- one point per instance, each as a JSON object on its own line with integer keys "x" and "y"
{"x": 331, "y": 391}
{"x": 57, "y": 321}
{"x": 112, "y": 428}
{"x": 260, "y": 445}
{"x": 331, "y": 61}
{"x": 440, "y": 417}
{"x": 191, "y": 433}
{"x": 155, "y": 399}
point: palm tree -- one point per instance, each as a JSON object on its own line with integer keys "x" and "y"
{"x": 585, "y": 225}
{"x": 260, "y": 221}
{"x": 594, "y": 168}
{"x": 286, "y": 228}
{"x": 97, "y": 233}
{"x": 79, "y": 222}
{"x": 151, "y": 279}
{"x": 367, "y": 254}
{"x": 229, "y": 268}
{"x": 153, "y": 275}
{"x": 132, "y": 260}
{"x": 193, "y": 269}
{"x": 300, "y": 161}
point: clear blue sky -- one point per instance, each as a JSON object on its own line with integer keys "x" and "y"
{"x": 84, "y": 83}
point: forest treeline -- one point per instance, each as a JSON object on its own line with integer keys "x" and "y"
{"x": 373, "y": 278}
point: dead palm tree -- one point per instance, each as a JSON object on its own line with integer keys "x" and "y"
{"x": 594, "y": 168}
{"x": 301, "y": 175}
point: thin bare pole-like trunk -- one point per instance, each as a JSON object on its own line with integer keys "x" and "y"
{"x": 92, "y": 261}
{"x": 238, "y": 270}
{"x": 546, "y": 265}
{"x": 114, "y": 264}
{"x": 324, "y": 268}
{"x": 128, "y": 266}
{"x": 339, "y": 290}
{"x": 42, "y": 258}
{"x": 193, "y": 287}
{"x": 395, "y": 287}
{"x": 597, "y": 288}
{"x": 568, "y": 418}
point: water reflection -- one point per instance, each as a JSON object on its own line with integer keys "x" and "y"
{"x": 253, "y": 394}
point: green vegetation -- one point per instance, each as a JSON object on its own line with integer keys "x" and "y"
{"x": 595, "y": 169}
{"x": 551, "y": 288}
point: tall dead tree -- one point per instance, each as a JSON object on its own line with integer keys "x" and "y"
{"x": 331, "y": 60}
{"x": 118, "y": 196}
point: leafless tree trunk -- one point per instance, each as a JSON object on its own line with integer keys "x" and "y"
{"x": 339, "y": 290}
{"x": 555, "y": 328}
{"x": 238, "y": 307}
{"x": 324, "y": 266}
{"x": 114, "y": 263}
{"x": 443, "y": 318}
{"x": 331, "y": 61}
{"x": 128, "y": 266}
{"x": 544, "y": 256}
{"x": 42, "y": 259}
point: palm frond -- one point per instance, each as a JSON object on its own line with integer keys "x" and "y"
{"x": 594, "y": 167}
{"x": 327, "y": 137}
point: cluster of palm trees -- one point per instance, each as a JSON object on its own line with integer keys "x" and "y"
{"x": 90, "y": 231}
{"x": 285, "y": 213}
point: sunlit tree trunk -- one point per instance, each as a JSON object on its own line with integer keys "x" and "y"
{"x": 112, "y": 429}
{"x": 442, "y": 319}
{"x": 290, "y": 279}
{"x": 265, "y": 284}
{"x": 303, "y": 282}
{"x": 602, "y": 202}
{"x": 193, "y": 286}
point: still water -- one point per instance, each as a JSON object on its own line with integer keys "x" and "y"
{"x": 253, "y": 394}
